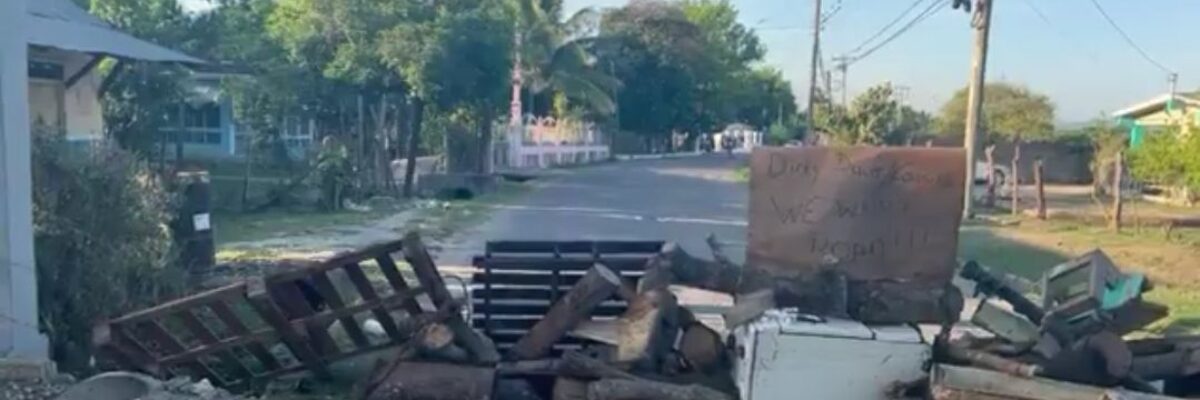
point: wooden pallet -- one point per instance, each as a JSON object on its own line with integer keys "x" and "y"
{"x": 517, "y": 281}
{"x": 247, "y": 333}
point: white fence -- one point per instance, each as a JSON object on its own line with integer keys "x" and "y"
{"x": 545, "y": 143}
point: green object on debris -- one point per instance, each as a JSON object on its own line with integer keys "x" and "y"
{"x": 1127, "y": 288}
{"x": 1136, "y": 135}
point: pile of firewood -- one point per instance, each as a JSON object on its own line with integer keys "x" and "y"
{"x": 1076, "y": 332}
{"x": 655, "y": 349}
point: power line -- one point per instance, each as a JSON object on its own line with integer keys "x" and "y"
{"x": 1074, "y": 41}
{"x": 1128, "y": 39}
{"x": 929, "y": 11}
{"x": 888, "y": 26}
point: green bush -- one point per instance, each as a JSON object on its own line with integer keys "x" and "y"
{"x": 1169, "y": 159}
{"x": 101, "y": 237}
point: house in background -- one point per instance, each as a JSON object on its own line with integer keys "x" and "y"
{"x": 210, "y": 131}
{"x": 1168, "y": 111}
{"x": 66, "y": 44}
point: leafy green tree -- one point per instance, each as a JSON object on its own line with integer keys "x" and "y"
{"x": 875, "y": 117}
{"x": 555, "y": 58}
{"x": 1008, "y": 111}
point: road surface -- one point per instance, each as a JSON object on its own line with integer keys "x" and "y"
{"x": 676, "y": 199}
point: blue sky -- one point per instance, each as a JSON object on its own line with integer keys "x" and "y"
{"x": 1077, "y": 58}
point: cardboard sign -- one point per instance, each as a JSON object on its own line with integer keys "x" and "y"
{"x": 874, "y": 213}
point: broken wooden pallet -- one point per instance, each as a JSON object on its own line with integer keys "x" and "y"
{"x": 250, "y": 332}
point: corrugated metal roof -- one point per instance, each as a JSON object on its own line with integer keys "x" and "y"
{"x": 63, "y": 25}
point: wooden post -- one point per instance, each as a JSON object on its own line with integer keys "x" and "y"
{"x": 1041, "y": 189}
{"x": 598, "y": 285}
{"x": 981, "y": 23}
{"x": 1118, "y": 171}
{"x": 1015, "y": 185}
{"x": 989, "y": 153}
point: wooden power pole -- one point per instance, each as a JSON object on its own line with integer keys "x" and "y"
{"x": 812, "y": 76}
{"x": 981, "y": 22}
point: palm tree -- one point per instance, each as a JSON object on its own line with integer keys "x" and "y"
{"x": 552, "y": 57}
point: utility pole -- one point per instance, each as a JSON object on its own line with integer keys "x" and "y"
{"x": 981, "y": 22}
{"x": 1173, "y": 78}
{"x": 812, "y": 76}
{"x": 842, "y": 63}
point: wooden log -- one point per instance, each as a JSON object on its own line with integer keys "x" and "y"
{"x": 410, "y": 380}
{"x": 886, "y": 302}
{"x": 749, "y": 306}
{"x": 576, "y": 365}
{"x": 628, "y": 389}
{"x": 646, "y": 330}
{"x": 673, "y": 265}
{"x": 598, "y": 285}
{"x": 570, "y": 389}
{"x": 483, "y": 350}
{"x": 604, "y": 331}
{"x": 701, "y": 349}
{"x": 959, "y": 353}
{"x": 436, "y": 342}
{"x": 515, "y": 389}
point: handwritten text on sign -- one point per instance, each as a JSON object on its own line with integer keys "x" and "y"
{"x": 874, "y": 213}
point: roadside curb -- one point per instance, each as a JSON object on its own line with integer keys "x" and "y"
{"x": 628, "y": 157}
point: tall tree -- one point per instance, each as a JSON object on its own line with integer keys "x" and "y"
{"x": 555, "y": 57}
{"x": 1008, "y": 111}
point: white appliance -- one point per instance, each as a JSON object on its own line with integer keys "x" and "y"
{"x": 784, "y": 355}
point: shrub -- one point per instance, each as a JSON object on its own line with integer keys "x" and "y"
{"x": 101, "y": 237}
{"x": 1168, "y": 158}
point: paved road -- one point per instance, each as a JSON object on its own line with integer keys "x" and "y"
{"x": 679, "y": 199}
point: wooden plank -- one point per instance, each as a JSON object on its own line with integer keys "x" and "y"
{"x": 206, "y": 336}
{"x": 184, "y": 303}
{"x": 608, "y": 309}
{"x": 422, "y": 264}
{"x": 360, "y": 281}
{"x": 291, "y": 300}
{"x": 262, "y": 304}
{"x": 170, "y": 345}
{"x": 237, "y": 328}
{"x": 224, "y": 345}
{"x": 587, "y": 247}
{"x": 598, "y": 285}
{"x": 392, "y": 273}
{"x": 532, "y": 279}
{"x": 304, "y": 269}
{"x": 505, "y": 263}
{"x": 334, "y": 300}
{"x": 113, "y": 337}
{"x": 429, "y": 381}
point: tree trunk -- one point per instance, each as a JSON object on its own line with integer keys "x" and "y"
{"x": 484, "y": 157}
{"x": 598, "y": 285}
{"x": 410, "y": 148}
{"x": 246, "y": 177}
{"x": 179, "y": 139}
{"x": 360, "y": 153}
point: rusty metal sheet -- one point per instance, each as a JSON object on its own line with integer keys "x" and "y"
{"x": 872, "y": 212}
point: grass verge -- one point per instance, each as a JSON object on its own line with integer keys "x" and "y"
{"x": 229, "y": 228}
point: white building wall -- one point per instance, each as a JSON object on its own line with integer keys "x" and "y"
{"x": 81, "y": 102}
